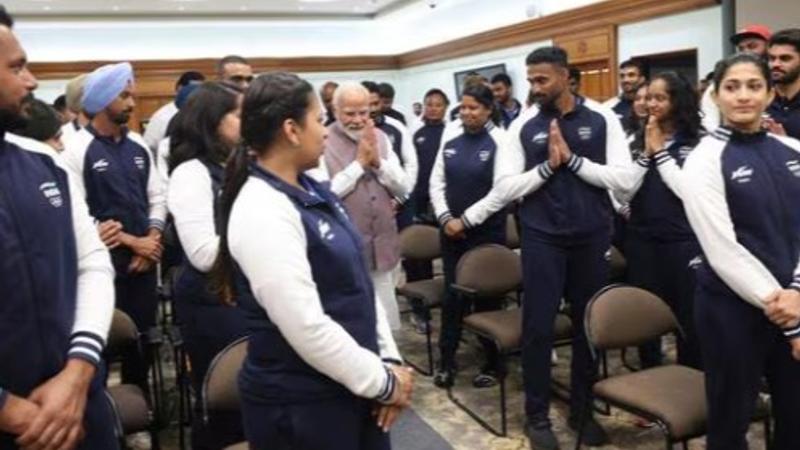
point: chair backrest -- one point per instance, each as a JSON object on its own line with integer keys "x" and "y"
{"x": 122, "y": 335}
{"x": 420, "y": 242}
{"x": 620, "y": 316}
{"x": 490, "y": 270}
{"x": 512, "y": 232}
{"x": 220, "y": 387}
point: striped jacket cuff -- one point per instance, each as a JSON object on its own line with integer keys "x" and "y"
{"x": 401, "y": 200}
{"x": 545, "y": 171}
{"x": 466, "y": 222}
{"x": 158, "y": 224}
{"x": 643, "y": 161}
{"x": 3, "y": 397}
{"x": 662, "y": 157}
{"x": 574, "y": 163}
{"x": 392, "y": 361}
{"x": 444, "y": 217}
{"x": 388, "y": 388}
{"x": 792, "y": 333}
{"x": 86, "y": 346}
{"x": 795, "y": 283}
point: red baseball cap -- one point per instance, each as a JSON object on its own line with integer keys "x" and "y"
{"x": 752, "y": 31}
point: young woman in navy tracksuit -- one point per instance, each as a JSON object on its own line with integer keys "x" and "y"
{"x": 740, "y": 188}
{"x": 207, "y": 131}
{"x": 660, "y": 246}
{"x": 321, "y": 356}
{"x": 464, "y": 173}
{"x": 427, "y": 141}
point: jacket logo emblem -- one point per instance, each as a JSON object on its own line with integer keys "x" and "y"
{"x": 585, "y": 133}
{"x": 325, "y": 230}
{"x": 696, "y": 262}
{"x": 101, "y": 165}
{"x": 794, "y": 167}
{"x": 540, "y": 138}
{"x": 140, "y": 162}
{"x": 52, "y": 193}
{"x": 420, "y": 139}
{"x": 449, "y": 152}
{"x": 484, "y": 155}
{"x": 742, "y": 175}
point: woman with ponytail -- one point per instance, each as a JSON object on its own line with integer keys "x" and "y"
{"x": 322, "y": 367}
{"x": 203, "y": 139}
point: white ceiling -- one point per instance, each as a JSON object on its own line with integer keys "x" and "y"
{"x": 190, "y": 8}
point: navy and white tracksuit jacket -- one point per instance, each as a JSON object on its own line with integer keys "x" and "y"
{"x": 740, "y": 192}
{"x": 787, "y": 113}
{"x": 56, "y": 278}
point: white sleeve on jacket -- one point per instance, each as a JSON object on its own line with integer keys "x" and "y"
{"x": 671, "y": 173}
{"x": 409, "y": 152}
{"x": 437, "y": 186}
{"x": 162, "y": 160}
{"x": 514, "y": 183}
{"x": 156, "y": 189}
{"x": 157, "y": 127}
{"x": 391, "y": 173}
{"x": 95, "y": 291}
{"x": 387, "y": 346}
{"x": 264, "y": 222}
{"x": 191, "y": 201}
{"x": 707, "y": 209}
{"x": 74, "y": 156}
{"x": 617, "y": 174}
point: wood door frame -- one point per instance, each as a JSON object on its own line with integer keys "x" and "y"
{"x": 594, "y": 45}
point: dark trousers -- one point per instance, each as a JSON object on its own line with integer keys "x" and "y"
{"x": 552, "y": 270}
{"x": 740, "y": 346}
{"x": 663, "y": 268}
{"x": 136, "y": 296}
{"x": 455, "y": 306}
{"x": 332, "y": 424}
{"x": 98, "y": 423}
{"x": 207, "y": 328}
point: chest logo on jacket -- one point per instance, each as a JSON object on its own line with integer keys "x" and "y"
{"x": 140, "y": 163}
{"x": 449, "y": 152}
{"x": 585, "y": 133}
{"x": 52, "y": 193}
{"x": 794, "y": 167}
{"x": 420, "y": 139}
{"x": 743, "y": 174}
{"x": 484, "y": 155}
{"x": 101, "y": 165}
{"x": 540, "y": 138}
{"x": 325, "y": 230}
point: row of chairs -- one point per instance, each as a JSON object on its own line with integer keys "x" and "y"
{"x": 671, "y": 396}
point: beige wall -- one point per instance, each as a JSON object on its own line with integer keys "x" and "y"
{"x": 776, "y": 14}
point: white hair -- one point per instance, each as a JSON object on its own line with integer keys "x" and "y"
{"x": 348, "y": 88}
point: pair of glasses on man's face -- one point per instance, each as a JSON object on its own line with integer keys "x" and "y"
{"x": 239, "y": 79}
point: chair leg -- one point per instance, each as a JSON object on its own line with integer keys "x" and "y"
{"x": 768, "y": 432}
{"x": 503, "y": 416}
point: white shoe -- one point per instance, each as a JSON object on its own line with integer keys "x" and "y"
{"x": 139, "y": 441}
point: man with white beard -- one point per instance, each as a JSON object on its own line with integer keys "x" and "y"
{"x": 366, "y": 174}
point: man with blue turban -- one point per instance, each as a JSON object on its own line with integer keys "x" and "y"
{"x": 125, "y": 195}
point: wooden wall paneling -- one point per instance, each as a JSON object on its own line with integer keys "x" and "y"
{"x": 594, "y": 51}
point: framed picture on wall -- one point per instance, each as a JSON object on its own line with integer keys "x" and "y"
{"x": 487, "y": 71}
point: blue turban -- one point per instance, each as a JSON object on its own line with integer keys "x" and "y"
{"x": 104, "y": 85}
{"x": 185, "y": 92}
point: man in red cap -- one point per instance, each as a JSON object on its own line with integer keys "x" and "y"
{"x": 752, "y": 39}
{"x": 749, "y": 39}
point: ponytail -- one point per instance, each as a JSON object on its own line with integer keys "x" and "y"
{"x": 222, "y": 273}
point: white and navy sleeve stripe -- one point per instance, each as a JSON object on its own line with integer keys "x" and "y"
{"x": 86, "y": 346}
{"x": 704, "y": 199}
{"x": 265, "y": 222}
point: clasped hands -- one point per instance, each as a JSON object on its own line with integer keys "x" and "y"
{"x": 783, "y": 309}
{"x": 387, "y": 414}
{"x": 367, "y": 153}
{"x": 147, "y": 250}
